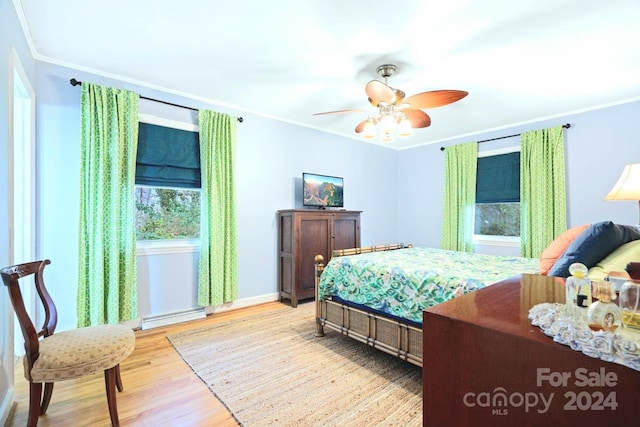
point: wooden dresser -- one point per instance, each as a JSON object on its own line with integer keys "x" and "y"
{"x": 305, "y": 233}
{"x": 485, "y": 364}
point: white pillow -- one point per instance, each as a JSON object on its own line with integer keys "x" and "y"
{"x": 616, "y": 260}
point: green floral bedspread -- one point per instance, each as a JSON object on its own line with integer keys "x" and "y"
{"x": 406, "y": 281}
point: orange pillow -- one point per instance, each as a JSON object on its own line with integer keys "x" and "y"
{"x": 558, "y": 246}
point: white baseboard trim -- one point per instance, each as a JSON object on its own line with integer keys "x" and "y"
{"x": 7, "y": 407}
{"x": 173, "y": 318}
{"x": 157, "y": 321}
{"x": 241, "y": 303}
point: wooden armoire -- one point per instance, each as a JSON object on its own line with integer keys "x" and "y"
{"x": 305, "y": 233}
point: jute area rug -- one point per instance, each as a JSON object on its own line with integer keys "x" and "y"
{"x": 270, "y": 370}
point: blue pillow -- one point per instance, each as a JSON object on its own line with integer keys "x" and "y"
{"x": 593, "y": 245}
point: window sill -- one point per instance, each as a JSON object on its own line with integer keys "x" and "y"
{"x": 503, "y": 241}
{"x": 160, "y": 247}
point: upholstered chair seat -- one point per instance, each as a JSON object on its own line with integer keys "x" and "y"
{"x": 78, "y": 352}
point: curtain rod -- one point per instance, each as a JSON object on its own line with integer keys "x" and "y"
{"x": 567, "y": 126}
{"x": 75, "y": 82}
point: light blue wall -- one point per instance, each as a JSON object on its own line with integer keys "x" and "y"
{"x": 597, "y": 146}
{"x": 270, "y": 158}
{"x": 11, "y": 37}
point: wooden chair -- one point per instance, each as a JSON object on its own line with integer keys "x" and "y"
{"x": 66, "y": 355}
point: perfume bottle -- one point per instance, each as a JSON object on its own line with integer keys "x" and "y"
{"x": 603, "y": 314}
{"x": 578, "y": 291}
{"x": 630, "y": 304}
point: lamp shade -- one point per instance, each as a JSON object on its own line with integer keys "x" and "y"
{"x": 369, "y": 131}
{"x": 628, "y": 185}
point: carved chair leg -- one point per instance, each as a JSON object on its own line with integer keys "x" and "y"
{"x": 35, "y": 394}
{"x": 110, "y": 383}
{"x": 118, "y": 379}
{"x": 46, "y": 398}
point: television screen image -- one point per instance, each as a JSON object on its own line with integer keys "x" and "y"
{"x": 322, "y": 191}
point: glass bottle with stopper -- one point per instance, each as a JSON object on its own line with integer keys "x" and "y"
{"x": 630, "y": 304}
{"x": 578, "y": 291}
{"x": 603, "y": 314}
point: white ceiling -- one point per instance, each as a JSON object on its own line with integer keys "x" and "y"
{"x": 520, "y": 61}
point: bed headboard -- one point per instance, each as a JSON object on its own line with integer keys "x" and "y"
{"x": 367, "y": 249}
{"x": 319, "y": 259}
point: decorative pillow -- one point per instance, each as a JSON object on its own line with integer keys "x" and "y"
{"x": 616, "y": 260}
{"x": 593, "y": 244}
{"x": 558, "y": 246}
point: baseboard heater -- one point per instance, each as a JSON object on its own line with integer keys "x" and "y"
{"x": 160, "y": 320}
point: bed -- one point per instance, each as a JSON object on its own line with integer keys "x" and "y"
{"x": 376, "y": 294}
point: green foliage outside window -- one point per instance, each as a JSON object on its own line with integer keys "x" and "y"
{"x": 497, "y": 219}
{"x": 167, "y": 214}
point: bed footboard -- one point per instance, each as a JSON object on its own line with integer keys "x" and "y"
{"x": 389, "y": 335}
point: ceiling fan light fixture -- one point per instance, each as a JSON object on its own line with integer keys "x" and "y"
{"x": 369, "y": 131}
{"x": 404, "y": 126}
{"x": 387, "y": 124}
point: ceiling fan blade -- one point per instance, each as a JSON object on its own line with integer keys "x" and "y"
{"x": 360, "y": 126}
{"x": 435, "y": 98}
{"x": 418, "y": 118}
{"x": 338, "y": 112}
{"x": 379, "y": 92}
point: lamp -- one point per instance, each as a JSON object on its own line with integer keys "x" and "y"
{"x": 628, "y": 185}
{"x": 389, "y": 123}
{"x": 369, "y": 131}
{"x": 404, "y": 126}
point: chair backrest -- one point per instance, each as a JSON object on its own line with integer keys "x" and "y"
{"x": 10, "y": 277}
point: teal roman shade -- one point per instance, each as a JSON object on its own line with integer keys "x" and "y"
{"x": 498, "y": 178}
{"x": 167, "y": 157}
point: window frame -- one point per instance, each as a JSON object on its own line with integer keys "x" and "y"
{"x": 490, "y": 240}
{"x": 160, "y": 247}
{"x": 173, "y": 246}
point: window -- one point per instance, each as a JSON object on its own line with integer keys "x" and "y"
{"x": 167, "y": 213}
{"x": 167, "y": 183}
{"x": 498, "y": 194}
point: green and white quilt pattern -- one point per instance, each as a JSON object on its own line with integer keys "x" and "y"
{"x": 406, "y": 281}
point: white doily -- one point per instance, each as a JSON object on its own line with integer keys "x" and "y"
{"x": 622, "y": 347}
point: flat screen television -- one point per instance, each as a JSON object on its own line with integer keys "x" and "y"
{"x": 322, "y": 191}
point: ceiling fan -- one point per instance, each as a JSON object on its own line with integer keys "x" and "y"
{"x": 395, "y": 112}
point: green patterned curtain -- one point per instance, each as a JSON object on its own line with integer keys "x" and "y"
{"x": 218, "y": 266}
{"x": 461, "y": 164}
{"x": 543, "y": 202}
{"x": 107, "y": 257}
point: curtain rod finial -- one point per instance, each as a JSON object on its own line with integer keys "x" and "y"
{"x": 75, "y": 82}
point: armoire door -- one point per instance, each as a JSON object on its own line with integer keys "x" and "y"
{"x": 313, "y": 240}
{"x": 346, "y": 231}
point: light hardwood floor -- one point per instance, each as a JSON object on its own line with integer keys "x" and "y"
{"x": 159, "y": 388}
